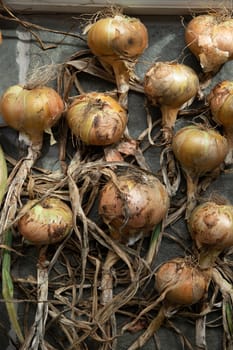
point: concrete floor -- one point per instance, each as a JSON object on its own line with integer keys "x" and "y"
{"x": 20, "y": 53}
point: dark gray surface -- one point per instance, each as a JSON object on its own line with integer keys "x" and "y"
{"x": 19, "y": 54}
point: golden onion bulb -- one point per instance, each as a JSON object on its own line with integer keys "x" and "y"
{"x": 118, "y": 37}
{"x": 220, "y": 101}
{"x": 170, "y": 85}
{"x": 133, "y": 206}
{"x": 198, "y": 149}
{"x": 97, "y": 119}
{"x": 211, "y": 224}
{"x": 118, "y": 41}
{"x": 31, "y": 111}
{"x": 45, "y": 222}
{"x": 186, "y": 284}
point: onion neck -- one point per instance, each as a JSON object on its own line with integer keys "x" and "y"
{"x": 169, "y": 116}
{"x": 122, "y": 76}
{"x": 192, "y": 183}
{"x": 208, "y": 256}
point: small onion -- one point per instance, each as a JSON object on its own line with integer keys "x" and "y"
{"x": 211, "y": 227}
{"x": 185, "y": 282}
{"x": 199, "y": 151}
{"x": 31, "y": 111}
{"x": 220, "y": 101}
{"x": 210, "y": 38}
{"x": 133, "y": 205}
{"x": 179, "y": 282}
{"x": 45, "y": 222}
{"x": 118, "y": 41}
{"x": 170, "y": 85}
{"x": 97, "y": 119}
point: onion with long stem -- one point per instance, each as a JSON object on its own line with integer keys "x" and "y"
{"x": 171, "y": 86}
{"x": 118, "y": 40}
{"x": 97, "y": 119}
{"x": 179, "y": 282}
{"x": 200, "y": 151}
{"x": 220, "y": 101}
{"x": 31, "y": 112}
{"x": 210, "y": 38}
{"x": 41, "y": 223}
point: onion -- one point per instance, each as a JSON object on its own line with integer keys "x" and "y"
{"x": 220, "y": 101}
{"x": 170, "y": 85}
{"x": 179, "y": 282}
{"x": 133, "y": 205}
{"x": 211, "y": 227}
{"x": 31, "y": 111}
{"x": 210, "y": 38}
{"x": 97, "y": 119}
{"x": 118, "y": 41}
{"x": 45, "y": 222}
{"x": 199, "y": 150}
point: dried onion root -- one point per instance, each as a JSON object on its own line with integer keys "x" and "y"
{"x": 118, "y": 41}
{"x": 210, "y": 38}
{"x": 200, "y": 151}
{"x": 171, "y": 86}
{"x": 179, "y": 282}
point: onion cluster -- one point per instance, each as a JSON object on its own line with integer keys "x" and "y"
{"x": 132, "y": 205}
{"x": 97, "y": 119}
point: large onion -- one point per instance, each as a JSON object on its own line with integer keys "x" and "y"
{"x": 210, "y": 38}
{"x": 220, "y": 101}
{"x": 118, "y": 41}
{"x": 46, "y": 222}
{"x": 179, "y": 282}
{"x": 170, "y": 85}
{"x": 97, "y": 119}
{"x": 200, "y": 151}
{"x": 132, "y": 205}
{"x": 31, "y": 111}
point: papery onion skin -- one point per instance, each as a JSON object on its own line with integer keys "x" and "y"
{"x": 97, "y": 119}
{"x": 210, "y": 38}
{"x": 133, "y": 207}
{"x": 198, "y": 149}
{"x": 45, "y": 222}
{"x": 186, "y": 283}
{"x": 211, "y": 225}
{"x": 170, "y": 85}
{"x": 31, "y": 111}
